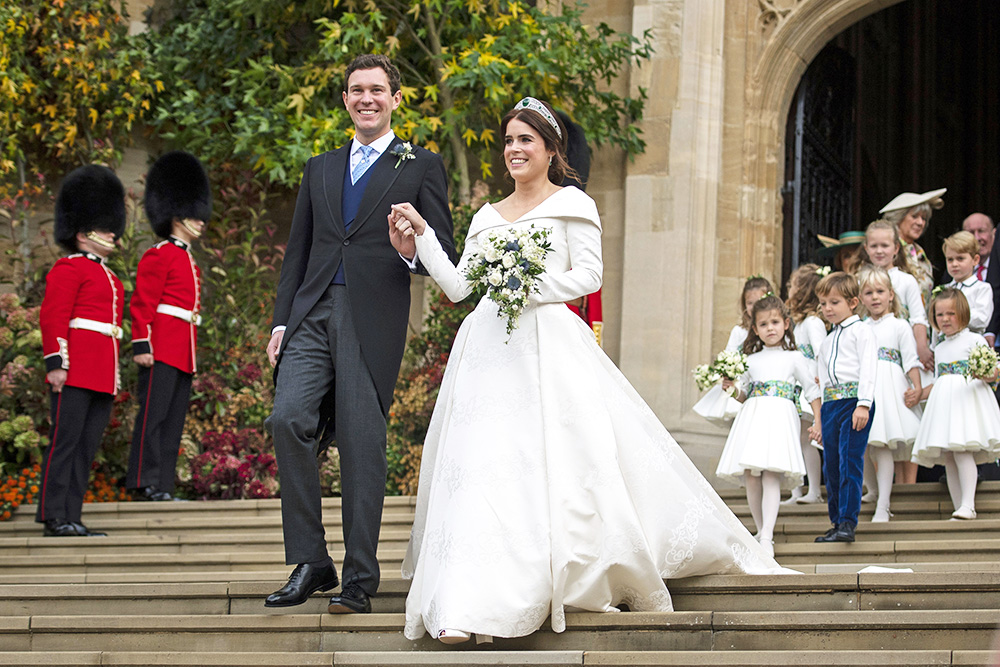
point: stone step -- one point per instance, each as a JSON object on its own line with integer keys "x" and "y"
{"x": 278, "y": 573}
{"x": 227, "y": 508}
{"x": 937, "y": 491}
{"x": 910, "y": 510}
{"x": 892, "y": 658}
{"x": 806, "y": 592}
{"x": 173, "y": 554}
{"x": 927, "y": 496}
{"x": 57, "y": 564}
{"x": 173, "y": 542}
{"x": 199, "y": 534}
{"x": 193, "y": 524}
{"x": 638, "y": 631}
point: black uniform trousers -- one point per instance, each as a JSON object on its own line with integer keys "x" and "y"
{"x": 164, "y": 394}
{"x": 325, "y": 352}
{"x": 79, "y": 417}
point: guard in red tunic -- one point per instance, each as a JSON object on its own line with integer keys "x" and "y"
{"x": 81, "y": 319}
{"x": 165, "y": 320}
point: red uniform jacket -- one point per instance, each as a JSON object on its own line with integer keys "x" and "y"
{"x": 167, "y": 276}
{"x": 591, "y": 314}
{"x": 81, "y": 292}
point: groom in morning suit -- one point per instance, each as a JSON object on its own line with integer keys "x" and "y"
{"x": 339, "y": 330}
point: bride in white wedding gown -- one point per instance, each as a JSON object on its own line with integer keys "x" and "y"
{"x": 547, "y": 484}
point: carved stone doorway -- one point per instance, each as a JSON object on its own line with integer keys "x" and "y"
{"x": 924, "y": 84}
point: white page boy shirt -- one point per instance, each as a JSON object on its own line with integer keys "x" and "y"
{"x": 980, "y": 298}
{"x": 846, "y": 360}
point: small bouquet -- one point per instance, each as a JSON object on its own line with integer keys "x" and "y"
{"x": 705, "y": 377}
{"x": 507, "y": 265}
{"x": 729, "y": 364}
{"x": 982, "y": 362}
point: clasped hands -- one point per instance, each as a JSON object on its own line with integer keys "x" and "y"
{"x": 404, "y": 224}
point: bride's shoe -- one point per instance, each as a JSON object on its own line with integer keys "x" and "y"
{"x": 449, "y": 636}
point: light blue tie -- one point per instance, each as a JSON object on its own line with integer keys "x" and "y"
{"x": 361, "y": 167}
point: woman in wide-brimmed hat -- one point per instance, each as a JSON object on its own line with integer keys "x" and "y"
{"x": 911, "y": 212}
{"x": 844, "y": 250}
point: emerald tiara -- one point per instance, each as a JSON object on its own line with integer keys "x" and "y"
{"x": 535, "y": 105}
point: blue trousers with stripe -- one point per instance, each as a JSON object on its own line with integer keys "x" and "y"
{"x": 843, "y": 458}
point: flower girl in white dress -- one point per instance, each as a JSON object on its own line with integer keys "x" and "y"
{"x": 716, "y": 405}
{"x": 763, "y": 451}
{"x": 961, "y": 424}
{"x": 547, "y": 483}
{"x": 897, "y": 386}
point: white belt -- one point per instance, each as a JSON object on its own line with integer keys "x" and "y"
{"x": 106, "y": 328}
{"x": 179, "y": 313}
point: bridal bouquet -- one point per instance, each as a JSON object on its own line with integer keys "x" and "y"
{"x": 982, "y": 362}
{"x": 507, "y": 265}
{"x": 729, "y": 364}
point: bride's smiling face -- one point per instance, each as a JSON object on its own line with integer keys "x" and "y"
{"x": 524, "y": 152}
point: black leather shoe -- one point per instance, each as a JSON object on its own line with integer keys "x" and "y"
{"x": 87, "y": 532}
{"x": 60, "y": 528}
{"x": 352, "y": 600}
{"x": 828, "y": 535}
{"x": 305, "y": 580}
{"x": 154, "y": 494}
{"x": 845, "y": 532}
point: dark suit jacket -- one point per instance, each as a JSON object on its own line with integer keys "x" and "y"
{"x": 378, "y": 281}
{"x": 993, "y": 278}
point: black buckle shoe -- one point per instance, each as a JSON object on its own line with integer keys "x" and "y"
{"x": 61, "y": 528}
{"x": 305, "y": 580}
{"x": 352, "y": 600}
{"x": 828, "y": 535}
{"x": 87, "y": 532}
{"x": 845, "y": 532}
{"x": 154, "y": 494}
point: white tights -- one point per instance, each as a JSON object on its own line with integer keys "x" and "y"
{"x": 961, "y": 473}
{"x": 763, "y": 496}
{"x": 814, "y": 467}
{"x": 885, "y": 467}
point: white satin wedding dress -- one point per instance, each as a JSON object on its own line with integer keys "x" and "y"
{"x": 547, "y": 484}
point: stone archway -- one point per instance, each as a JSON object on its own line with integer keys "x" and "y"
{"x": 788, "y": 35}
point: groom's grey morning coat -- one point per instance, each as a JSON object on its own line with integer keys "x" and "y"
{"x": 378, "y": 281}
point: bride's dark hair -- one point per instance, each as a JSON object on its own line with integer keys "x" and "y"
{"x": 559, "y": 169}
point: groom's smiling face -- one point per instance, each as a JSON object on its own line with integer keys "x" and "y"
{"x": 370, "y": 102}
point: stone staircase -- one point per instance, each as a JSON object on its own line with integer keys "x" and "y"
{"x": 183, "y": 584}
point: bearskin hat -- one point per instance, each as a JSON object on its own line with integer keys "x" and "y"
{"x": 176, "y": 188}
{"x": 577, "y": 152}
{"x": 91, "y": 198}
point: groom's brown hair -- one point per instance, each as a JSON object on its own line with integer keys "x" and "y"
{"x": 372, "y": 61}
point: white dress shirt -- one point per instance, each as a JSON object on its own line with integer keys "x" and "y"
{"x": 379, "y": 146}
{"x": 979, "y": 294}
{"x": 849, "y": 354}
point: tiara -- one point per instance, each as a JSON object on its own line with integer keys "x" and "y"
{"x": 535, "y": 105}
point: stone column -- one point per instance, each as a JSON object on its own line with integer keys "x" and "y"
{"x": 671, "y": 195}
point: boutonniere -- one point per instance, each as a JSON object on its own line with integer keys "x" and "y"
{"x": 403, "y": 151}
